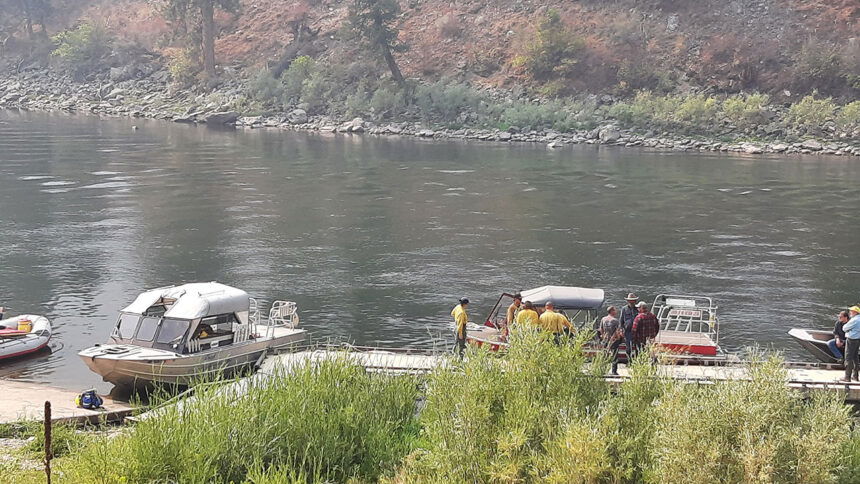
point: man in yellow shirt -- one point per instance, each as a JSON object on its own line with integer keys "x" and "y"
{"x": 527, "y": 318}
{"x": 460, "y": 320}
{"x": 554, "y": 322}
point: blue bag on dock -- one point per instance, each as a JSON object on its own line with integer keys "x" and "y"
{"x": 89, "y": 400}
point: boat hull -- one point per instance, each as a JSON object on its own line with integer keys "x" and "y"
{"x": 34, "y": 341}
{"x": 815, "y": 341}
{"x": 131, "y": 366}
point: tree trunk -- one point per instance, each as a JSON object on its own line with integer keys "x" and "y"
{"x": 207, "y": 12}
{"x": 392, "y": 65}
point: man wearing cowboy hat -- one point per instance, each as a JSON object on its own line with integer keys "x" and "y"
{"x": 852, "y": 345}
{"x": 628, "y": 314}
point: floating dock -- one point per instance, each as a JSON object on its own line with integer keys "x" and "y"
{"x": 26, "y": 401}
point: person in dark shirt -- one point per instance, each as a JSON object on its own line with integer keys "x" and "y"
{"x": 628, "y": 314}
{"x": 838, "y": 342}
{"x": 646, "y": 326}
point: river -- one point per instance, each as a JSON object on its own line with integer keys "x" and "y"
{"x": 375, "y": 238}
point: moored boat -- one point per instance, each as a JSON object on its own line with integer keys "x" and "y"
{"x": 191, "y": 332}
{"x": 689, "y": 326}
{"x": 815, "y": 342}
{"x": 23, "y": 335}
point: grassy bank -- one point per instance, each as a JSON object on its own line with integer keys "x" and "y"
{"x": 538, "y": 414}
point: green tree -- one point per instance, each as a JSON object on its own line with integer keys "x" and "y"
{"x": 373, "y": 22}
{"x": 182, "y": 9}
{"x": 31, "y": 12}
{"x": 555, "y": 51}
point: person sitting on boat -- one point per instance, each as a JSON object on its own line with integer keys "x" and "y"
{"x": 203, "y": 331}
{"x": 852, "y": 345}
{"x": 460, "y": 320}
{"x": 527, "y": 318}
{"x": 628, "y": 314}
{"x": 646, "y": 326}
{"x": 555, "y": 323}
{"x": 611, "y": 335}
{"x": 838, "y": 342}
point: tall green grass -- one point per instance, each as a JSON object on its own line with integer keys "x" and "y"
{"x": 541, "y": 412}
{"x": 327, "y": 422}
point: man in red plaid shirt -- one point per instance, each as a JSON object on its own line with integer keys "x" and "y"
{"x": 645, "y": 327}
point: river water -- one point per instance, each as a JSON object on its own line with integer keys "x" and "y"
{"x": 375, "y": 238}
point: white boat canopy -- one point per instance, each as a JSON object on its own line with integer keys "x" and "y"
{"x": 192, "y": 301}
{"x": 565, "y": 297}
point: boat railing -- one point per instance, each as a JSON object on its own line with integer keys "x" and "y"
{"x": 281, "y": 314}
{"x": 687, "y": 314}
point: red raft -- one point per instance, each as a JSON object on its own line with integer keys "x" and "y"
{"x": 689, "y": 327}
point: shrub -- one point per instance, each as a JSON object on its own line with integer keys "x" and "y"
{"x": 295, "y": 76}
{"x": 266, "y": 89}
{"x": 330, "y": 421}
{"x": 446, "y": 100}
{"x": 82, "y": 48}
{"x": 182, "y": 67}
{"x": 554, "y": 114}
{"x": 810, "y": 113}
{"x": 746, "y": 111}
{"x": 555, "y": 51}
{"x": 819, "y": 66}
{"x": 695, "y": 112}
{"x": 388, "y": 102}
{"x": 849, "y": 116}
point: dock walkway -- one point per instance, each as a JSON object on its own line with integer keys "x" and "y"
{"x": 26, "y": 401}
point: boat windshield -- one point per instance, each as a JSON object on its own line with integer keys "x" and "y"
{"x": 147, "y": 328}
{"x": 172, "y": 331}
{"x": 126, "y": 325}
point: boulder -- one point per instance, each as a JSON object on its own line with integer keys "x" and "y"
{"x": 221, "y": 118}
{"x": 298, "y": 116}
{"x": 504, "y": 136}
{"x": 426, "y": 133}
{"x": 251, "y": 120}
{"x": 752, "y": 149}
{"x": 356, "y": 125}
{"x": 555, "y": 144}
{"x": 114, "y": 93}
{"x": 609, "y": 134}
{"x": 779, "y": 147}
{"x": 812, "y": 145}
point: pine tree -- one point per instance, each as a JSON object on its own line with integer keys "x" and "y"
{"x": 181, "y": 9}
{"x": 373, "y": 22}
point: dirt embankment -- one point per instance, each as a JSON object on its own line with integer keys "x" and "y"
{"x": 722, "y": 45}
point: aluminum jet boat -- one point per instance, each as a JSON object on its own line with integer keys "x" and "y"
{"x": 815, "y": 342}
{"x": 23, "y": 335}
{"x": 688, "y": 324}
{"x": 191, "y": 332}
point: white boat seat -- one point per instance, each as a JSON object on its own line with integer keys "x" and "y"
{"x": 194, "y": 345}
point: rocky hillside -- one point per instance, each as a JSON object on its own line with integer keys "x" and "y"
{"x": 778, "y": 46}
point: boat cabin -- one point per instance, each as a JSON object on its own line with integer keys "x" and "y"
{"x": 187, "y": 318}
{"x": 581, "y": 305}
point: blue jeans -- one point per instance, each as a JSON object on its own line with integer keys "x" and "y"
{"x": 834, "y": 349}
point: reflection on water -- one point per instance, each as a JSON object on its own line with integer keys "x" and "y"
{"x": 375, "y": 238}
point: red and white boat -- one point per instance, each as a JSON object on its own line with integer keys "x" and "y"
{"x": 23, "y": 335}
{"x": 689, "y": 327}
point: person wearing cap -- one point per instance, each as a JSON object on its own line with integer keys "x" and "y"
{"x": 611, "y": 335}
{"x": 628, "y": 314}
{"x": 852, "y": 345}
{"x": 838, "y": 342}
{"x": 646, "y": 326}
{"x": 553, "y": 322}
{"x": 527, "y": 318}
{"x": 460, "y": 320}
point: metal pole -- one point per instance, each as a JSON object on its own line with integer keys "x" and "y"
{"x": 48, "y": 454}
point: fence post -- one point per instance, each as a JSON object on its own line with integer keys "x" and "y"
{"x": 48, "y": 454}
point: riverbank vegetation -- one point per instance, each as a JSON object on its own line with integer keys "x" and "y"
{"x": 539, "y": 413}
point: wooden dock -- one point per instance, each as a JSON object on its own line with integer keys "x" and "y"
{"x": 26, "y": 401}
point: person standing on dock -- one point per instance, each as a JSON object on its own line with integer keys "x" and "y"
{"x": 611, "y": 335}
{"x": 628, "y": 314}
{"x": 555, "y": 323}
{"x": 645, "y": 327}
{"x": 852, "y": 345}
{"x": 837, "y": 344}
{"x": 460, "y": 320}
{"x": 513, "y": 309}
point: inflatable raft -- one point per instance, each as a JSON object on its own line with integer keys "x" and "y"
{"x": 23, "y": 335}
